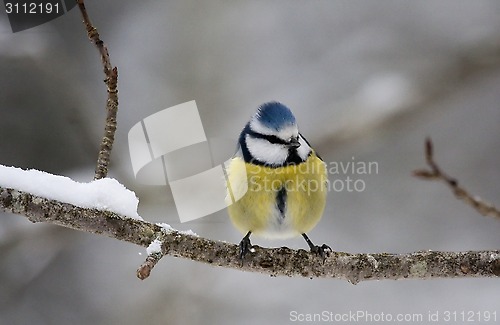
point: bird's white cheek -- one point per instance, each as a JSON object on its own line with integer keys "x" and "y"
{"x": 304, "y": 149}
{"x": 266, "y": 152}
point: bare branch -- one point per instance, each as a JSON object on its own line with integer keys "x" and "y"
{"x": 145, "y": 269}
{"x": 435, "y": 173}
{"x": 112, "y": 101}
{"x": 271, "y": 261}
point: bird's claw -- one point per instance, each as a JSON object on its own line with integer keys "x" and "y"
{"x": 322, "y": 250}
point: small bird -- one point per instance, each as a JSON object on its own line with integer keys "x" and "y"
{"x": 281, "y": 180}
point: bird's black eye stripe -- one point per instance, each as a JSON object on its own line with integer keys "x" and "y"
{"x": 274, "y": 139}
{"x": 271, "y": 138}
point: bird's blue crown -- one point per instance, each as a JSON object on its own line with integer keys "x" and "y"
{"x": 275, "y": 115}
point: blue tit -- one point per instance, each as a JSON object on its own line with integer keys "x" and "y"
{"x": 283, "y": 179}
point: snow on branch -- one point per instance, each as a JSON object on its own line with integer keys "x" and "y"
{"x": 105, "y": 194}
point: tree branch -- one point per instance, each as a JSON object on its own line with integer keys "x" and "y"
{"x": 435, "y": 173}
{"x": 112, "y": 101}
{"x": 271, "y": 261}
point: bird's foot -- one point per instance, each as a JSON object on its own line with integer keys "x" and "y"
{"x": 322, "y": 250}
{"x": 245, "y": 247}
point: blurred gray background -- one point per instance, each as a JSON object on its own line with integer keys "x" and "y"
{"x": 367, "y": 81}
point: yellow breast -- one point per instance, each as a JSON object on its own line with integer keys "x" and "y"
{"x": 253, "y": 191}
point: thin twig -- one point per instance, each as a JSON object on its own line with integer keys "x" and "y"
{"x": 435, "y": 173}
{"x": 271, "y": 261}
{"x": 112, "y": 101}
{"x": 145, "y": 269}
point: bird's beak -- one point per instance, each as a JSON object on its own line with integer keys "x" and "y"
{"x": 294, "y": 142}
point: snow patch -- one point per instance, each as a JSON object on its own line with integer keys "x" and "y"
{"x": 105, "y": 194}
{"x": 166, "y": 227}
{"x": 154, "y": 247}
{"x": 188, "y": 232}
